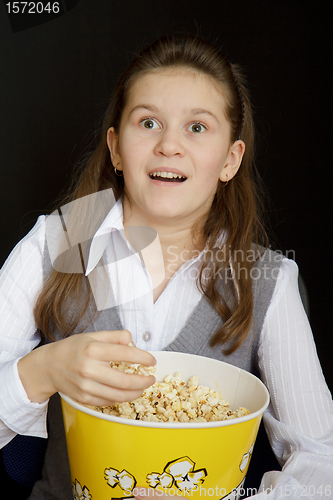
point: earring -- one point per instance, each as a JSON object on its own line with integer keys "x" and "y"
{"x": 226, "y": 182}
{"x": 116, "y": 171}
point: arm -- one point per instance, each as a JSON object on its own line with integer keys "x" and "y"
{"x": 299, "y": 419}
{"x": 20, "y": 281}
{"x": 77, "y": 366}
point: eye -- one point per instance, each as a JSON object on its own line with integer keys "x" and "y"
{"x": 197, "y": 127}
{"x": 148, "y": 123}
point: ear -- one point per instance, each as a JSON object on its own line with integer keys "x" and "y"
{"x": 233, "y": 161}
{"x": 112, "y": 140}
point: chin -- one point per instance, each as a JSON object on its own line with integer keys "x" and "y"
{"x": 166, "y": 211}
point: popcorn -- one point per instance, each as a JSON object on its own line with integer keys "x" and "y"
{"x": 172, "y": 400}
{"x": 129, "y": 368}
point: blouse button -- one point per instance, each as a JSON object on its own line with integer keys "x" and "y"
{"x": 146, "y": 336}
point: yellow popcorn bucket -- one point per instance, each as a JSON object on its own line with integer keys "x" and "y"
{"x": 112, "y": 457}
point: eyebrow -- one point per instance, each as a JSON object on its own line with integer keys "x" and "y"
{"x": 194, "y": 111}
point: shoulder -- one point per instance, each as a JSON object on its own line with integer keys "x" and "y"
{"x": 267, "y": 256}
{"x": 286, "y": 296}
{"x": 265, "y": 274}
{"x": 36, "y": 236}
{"x": 266, "y": 265}
{"x": 30, "y": 246}
{"x": 21, "y": 274}
{"x": 287, "y": 281}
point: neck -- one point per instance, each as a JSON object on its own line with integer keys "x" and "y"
{"x": 176, "y": 240}
{"x": 171, "y": 233}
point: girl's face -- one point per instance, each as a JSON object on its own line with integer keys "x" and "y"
{"x": 173, "y": 147}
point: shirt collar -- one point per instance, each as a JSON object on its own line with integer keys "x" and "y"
{"x": 113, "y": 221}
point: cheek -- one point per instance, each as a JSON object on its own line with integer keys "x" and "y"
{"x": 132, "y": 152}
{"x": 211, "y": 163}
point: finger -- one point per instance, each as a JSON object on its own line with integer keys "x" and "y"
{"x": 133, "y": 355}
{"x": 113, "y": 336}
{"x": 96, "y": 392}
{"x": 111, "y": 377}
{"x": 99, "y": 395}
{"x": 117, "y": 352}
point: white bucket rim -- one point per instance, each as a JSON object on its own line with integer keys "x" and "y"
{"x": 178, "y": 425}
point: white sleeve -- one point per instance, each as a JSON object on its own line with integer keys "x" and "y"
{"x": 21, "y": 279}
{"x": 299, "y": 419}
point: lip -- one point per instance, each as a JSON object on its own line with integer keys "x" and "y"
{"x": 167, "y": 169}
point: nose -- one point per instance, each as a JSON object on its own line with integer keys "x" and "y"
{"x": 169, "y": 143}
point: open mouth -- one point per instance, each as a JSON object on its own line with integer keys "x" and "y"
{"x": 167, "y": 177}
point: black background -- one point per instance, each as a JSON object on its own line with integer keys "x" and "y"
{"x": 57, "y": 76}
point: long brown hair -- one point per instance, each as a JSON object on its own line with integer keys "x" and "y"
{"x": 235, "y": 211}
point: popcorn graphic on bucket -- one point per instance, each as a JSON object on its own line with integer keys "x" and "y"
{"x": 80, "y": 492}
{"x": 124, "y": 479}
{"x": 180, "y": 473}
{"x": 181, "y": 458}
{"x": 246, "y": 459}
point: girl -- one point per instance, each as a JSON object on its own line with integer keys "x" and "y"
{"x": 176, "y": 149}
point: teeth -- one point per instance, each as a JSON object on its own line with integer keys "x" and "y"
{"x": 168, "y": 175}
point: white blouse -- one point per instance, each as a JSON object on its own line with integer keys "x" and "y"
{"x": 299, "y": 419}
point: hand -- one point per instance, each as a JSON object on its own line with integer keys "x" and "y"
{"x": 79, "y": 366}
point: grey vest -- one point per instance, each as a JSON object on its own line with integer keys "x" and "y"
{"x": 194, "y": 338}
